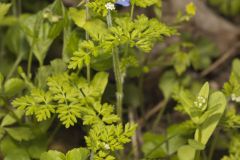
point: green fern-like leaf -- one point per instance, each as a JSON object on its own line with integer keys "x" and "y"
{"x": 79, "y": 59}
{"x": 99, "y": 114}
{"x": 82, "y": 57}
{"x": 104, "y": 139}
{"x": 68, "y": 114}
{"x": 142, "y": 33}
{"x": 38, "y": 103}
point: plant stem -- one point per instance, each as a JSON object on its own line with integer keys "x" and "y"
{"x": 16, "y": 63}
{"x": 12, "y": 113}
{"x": 19, "y": 9}
{"x": 213, "y": 145}
{"x": 30, "y": 57}
{"x": 88, "y": 73}
{"x": 14, "y": 7}
{"x": 109, "y": 19}
{"x": 197, "y": 157}
{"x": 160, "y": 144}
{"x": 134, "y": 137}
{"x": 159, "y": 116}
{"x": 119, "y": 94}
{"x": 87, "y": 38}
{"x": 91, "y": 155}
{"x": 117, "y": 72}
{"x": 87, "y": 17}
{"x": 16, "y": 12}
{"x": 132, "y": 11}
{"x": 66, "y": 35}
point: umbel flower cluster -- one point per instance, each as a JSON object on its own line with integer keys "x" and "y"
{"x": 200, "y": 102}
{"x": 235, "y": 98}
{"x": 110, "y": 6}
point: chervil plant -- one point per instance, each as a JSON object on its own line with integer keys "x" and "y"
{"x": 82, "y": 65}
{"x": 60, "y": 90}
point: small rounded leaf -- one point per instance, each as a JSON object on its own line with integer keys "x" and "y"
{"x": 78, "y": 154}
{"x": 13, "y": 86}
{"x": 186, "y": 153}
{"x": 52, "y": 155}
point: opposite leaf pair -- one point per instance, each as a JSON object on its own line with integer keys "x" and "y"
{"x": 205, "y": 112}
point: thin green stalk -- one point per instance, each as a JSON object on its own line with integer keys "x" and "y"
{"x": 213, "y": 145}
{"x": 132, "y": 11}
{"x": 12, "y": 113}
{"x": 15, "y": 65}
{"x": 109, "y": 19}
{"x": 118, "y": 77}
{"x": 19, "y": 7}
{"x": 126, "y": 50}
{"x": 117, "y": 72}
{"x": 198, "y": 153}
{"x": 160, "y": 144}
{"x": 16, "y": 12}
{"x": 87, "y": 38}
{"x": 30, "y": 57}
{"x": 197, "y": 157}
{"x": 87, "y": 17}
{"x": 14, "y": 7}
{"x": 66, "y": 35}
{"x": 88, "y": 73}
{"x": 167, "y": 145}
{"x": 91, "y": 155}
{"x": 134, "y": 137}
{"x": 140, "y": 84}
{"x": 159, "y": 116}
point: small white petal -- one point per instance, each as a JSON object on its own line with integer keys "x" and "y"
{"x": 238, "y": 99}
{"x": 107, "y": 146}
{"x": 233, "y": 96}
{"x": 110, "y": 6}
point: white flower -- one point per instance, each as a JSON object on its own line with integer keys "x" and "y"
{"x": 203, "y": 101}
{"x": 46, "y": 15}
{"x": 238, "y": 99}
{"x": 55, "y": 18}
{"x": 200, "y": 102}
{"x": 110, "y": 6}
{"x": 106, "y": 146}
{"x": 233, "y": 96}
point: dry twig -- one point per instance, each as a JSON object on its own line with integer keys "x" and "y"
{"x": 227, "y": 55}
